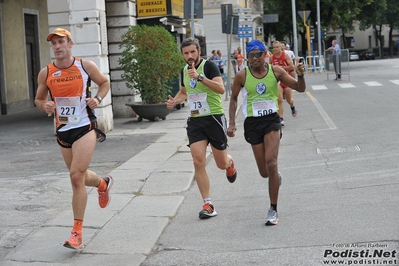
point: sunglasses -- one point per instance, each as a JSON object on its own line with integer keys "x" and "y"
{"x": 257, "y": 55}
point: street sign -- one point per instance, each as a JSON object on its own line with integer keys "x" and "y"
{"x": 198, "y": 9}
{"x": 245, "y": 29}
{"x": 242, "y": 10}
{"x": 244, "y": 35}
{"x": 303, "y": 13}
{"x": 232, "y": 24}
{"x": 270, "y": 18}
{"x": 245, "y": 16}
{"x": 245, "y": 23}
{"x": 226, "y": 10}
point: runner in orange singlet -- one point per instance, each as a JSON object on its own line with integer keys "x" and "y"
{"x": 67, "y": 80}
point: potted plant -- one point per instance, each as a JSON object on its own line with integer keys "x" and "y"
{"x": 151, "y": 61}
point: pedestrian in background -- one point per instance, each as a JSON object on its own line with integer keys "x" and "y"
{"x": 214, "y": 57}
{"x": 262, "y": 127}
{"x": 221, "y": 65}
{"x": 67, "y": 80}
{"x": 240, "y": 58}
{"x": 202, "y": 85}
{"x": 234, "y": 62}
{"x": 336, "y": 53}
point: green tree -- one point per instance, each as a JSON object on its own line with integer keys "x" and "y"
{"x": 374, "y": 15}
{"x": 392, "y": 14}
{"x": 334, "y": 14}
{"x": 151, "y": 60}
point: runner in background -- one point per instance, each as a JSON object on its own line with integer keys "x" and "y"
{"x": 280, "y": 58}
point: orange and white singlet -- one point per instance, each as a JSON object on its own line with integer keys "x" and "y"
{"x": 67, "y": 88}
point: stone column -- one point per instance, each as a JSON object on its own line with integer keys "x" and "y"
{"x": 121, "y": 14}
{"x": 86, "y": 21}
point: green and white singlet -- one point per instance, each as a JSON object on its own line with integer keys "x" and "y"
{"x": 260, "y": 95}
{"x": 202, "y": 100}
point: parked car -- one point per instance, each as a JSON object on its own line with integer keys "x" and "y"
{"x": 353, "y": 56}
{"x": 366, "y": 55}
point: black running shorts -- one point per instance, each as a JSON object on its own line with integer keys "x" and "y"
{"x": 255, "y": 128}
{"x": 212, "y": 128}
{"x": 66, "y": 138}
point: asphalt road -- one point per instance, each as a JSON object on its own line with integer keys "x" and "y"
{"x": 339, "y": 161}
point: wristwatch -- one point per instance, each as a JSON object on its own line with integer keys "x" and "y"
{"x": 200, "y": 77}
{"x": 98, "y": 98}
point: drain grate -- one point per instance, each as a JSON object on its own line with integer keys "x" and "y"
{"x": 338, "y": 149}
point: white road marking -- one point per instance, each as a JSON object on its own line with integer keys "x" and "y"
{"x": 396, "y": 81}
{"x": 372, "y": 83}
{"x": 319, "y": 87}
{"x": 346, "y": 85}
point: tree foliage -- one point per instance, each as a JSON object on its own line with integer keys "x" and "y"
{"x": 151, "y": 61}
{"x": 335, "y": 15}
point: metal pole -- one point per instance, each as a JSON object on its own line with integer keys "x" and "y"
{"x": 192, "y": 19}
{"x": 228, "y": 89}
{"x": 294, "y": 27}
{"x": 318, "y": 32}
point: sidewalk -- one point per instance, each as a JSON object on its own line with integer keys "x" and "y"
{"x": 146, "y": 195}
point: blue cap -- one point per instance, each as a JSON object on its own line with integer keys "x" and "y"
{"x": 256, "y": 45}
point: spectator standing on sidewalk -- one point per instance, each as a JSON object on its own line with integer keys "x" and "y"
{"x": 214, "y": 57}
{"x": 240, "y": 58}
{"x": 67, "y": 80}
{"x": 221, "y": 65}
{"x": 336, "y": 53}
{"x": 234, "y": 62}
{"x": 262, "y": 127}
{"x": 202, "y": 85}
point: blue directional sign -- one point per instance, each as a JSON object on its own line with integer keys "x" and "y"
{"x": 245, "y": 29}
{"x": 244, "y": 35}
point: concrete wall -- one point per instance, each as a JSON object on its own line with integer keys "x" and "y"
{"x": 86, "y": 20}
{"x": 120, "y": 16}
{"x": 16, "y": 76}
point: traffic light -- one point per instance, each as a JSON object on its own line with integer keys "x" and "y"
{"x": 324, "y": 33}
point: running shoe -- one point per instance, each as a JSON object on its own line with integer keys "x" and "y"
{"x": 272, "y": 217}
{"x": 207, "y": 211}
{"x": 282, "y": 121}
{"x": 103, "y": 196}
{"x": 293, "y": 111}
{"x": 231, "y": 173}
{"x": 74, "y": 241}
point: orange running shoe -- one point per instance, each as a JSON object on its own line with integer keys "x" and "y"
{"x": 74, "y": 241}
{"x": 207, "y": 211}
{"x": 231, "y": 173}
{"x": 103, "y": 196}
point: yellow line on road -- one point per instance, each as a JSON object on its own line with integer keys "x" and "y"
{"x": 323, "y": 113}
